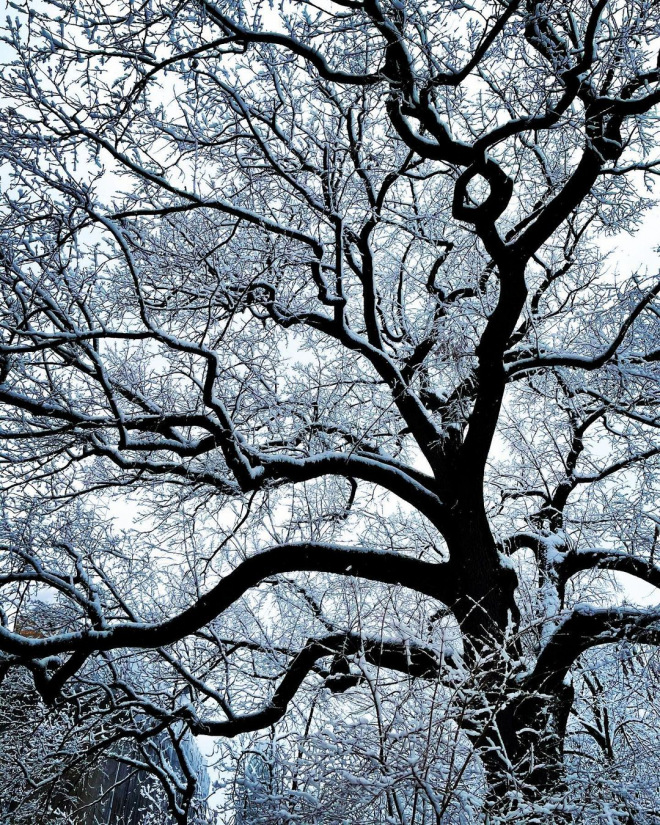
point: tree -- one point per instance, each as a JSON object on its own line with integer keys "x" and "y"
{"x": 89, "y": 761}
{"x": 322, "y": 287}
{"x": 97, "y": 754}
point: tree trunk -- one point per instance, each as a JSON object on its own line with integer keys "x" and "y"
{"x": 518, "y": 733}
{"x": 522, "y": 754}
{"x": 485, "y": 607}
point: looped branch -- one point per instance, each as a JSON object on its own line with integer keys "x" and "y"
{"x": 487, "y": 212}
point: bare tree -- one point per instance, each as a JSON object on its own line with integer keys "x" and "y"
{"x": 322, "y": 286}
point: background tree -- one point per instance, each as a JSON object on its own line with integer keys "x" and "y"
{"x": 321, "y": 286}
{"x": 97, "y": 754}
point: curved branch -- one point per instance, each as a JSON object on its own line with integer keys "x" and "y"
{"x": 293, "y": 45}
{"x": 375, "y": 565}
{"x": 405, "y": 657}
{"x": 577, "y": 560}
{"x": 582, "y": 361}
{"x": 587, "y": 627}
{"x": 487, "y": 40}
{"x": 413, "y": 487}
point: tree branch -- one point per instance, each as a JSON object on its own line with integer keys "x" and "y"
{"x": 375, "y": 565}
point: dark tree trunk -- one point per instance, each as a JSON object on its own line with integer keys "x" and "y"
{"x": 485, "y": 606}
{"x": 522, "y": 751}
{"x": 518, "y": 732}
